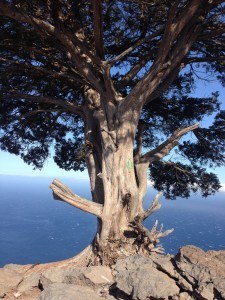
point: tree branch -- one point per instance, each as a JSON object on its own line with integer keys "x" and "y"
{"x": 38, "y": 111}
{"x": 98, "y": 30}
{"x": 135, "y": 45}
{"x": 159, "y": 71}
{"x": 211, "y": 34}
{"x": 154, "y": 207}
{"x": 68, "y": 106}
{"x": 139, "y": 139}
{"x": 62, "y": 75}
{"x": 167, "y": 39}
{"x": 73, "y": 53}
{"x": 164, "y": 85}
{"x": 134, "y": 70}
{"x": 163, "y": 149}
{"x": 63, "y": 193}
{"x": 203, "y": 59}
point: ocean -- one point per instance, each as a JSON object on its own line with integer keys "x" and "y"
{"x": 35, "y": 228}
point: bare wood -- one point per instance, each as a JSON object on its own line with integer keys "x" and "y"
{"x": 168, "y": 32}
{"x": 141, "y": 128}
{"x": 164, "y": 85}
{"x": 149, "y": 238}
{"x": 189, "y": 29}
{"x": 154, "y": 207}
{"x": 65, "y": 194}
{"x": 164, "y": 148}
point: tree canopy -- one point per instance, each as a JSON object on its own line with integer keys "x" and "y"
{"x": 147, "y": 54}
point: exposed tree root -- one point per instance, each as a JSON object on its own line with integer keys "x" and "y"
{"x": 80, "y": 260}
{"x": 148, "y": 239}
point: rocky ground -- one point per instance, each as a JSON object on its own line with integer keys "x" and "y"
{"x": 191, "y": 274}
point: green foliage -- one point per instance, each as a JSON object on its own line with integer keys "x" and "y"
{"x": 179, "y": 180}
{"x": 34, "y": 63}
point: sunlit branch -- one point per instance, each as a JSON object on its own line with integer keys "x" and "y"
{"x": 154, "y": 207}
{"x": 163, "y": 86}
{"x": 174, "y": 29}
{"x": 62, "y": 192}
{"x": 164, "y": 148}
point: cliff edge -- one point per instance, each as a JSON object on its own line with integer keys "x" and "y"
{"x": 191, "y": 274}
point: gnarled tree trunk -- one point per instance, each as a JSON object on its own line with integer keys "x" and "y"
{"x": 118, "y": 180}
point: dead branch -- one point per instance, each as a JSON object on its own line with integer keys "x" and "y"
{"x": 154, "y": 207}
{"x": 151, "y": 238}
{"x": 62, "y": 192}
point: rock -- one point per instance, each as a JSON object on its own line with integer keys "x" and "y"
{"x": 9, "y": 278}
{"x": 183, "y": 296}
{"x": 54, "y": 275}
{"x": 62, "y": 291}
{"x": 197, "y": 265}
{"x": 137, "y": 277}
{"x": 166, "y": 265}
{"x": 29, "y": 283}
{"x": 206, "y": 291}
{"x": 220, "y": 255}
{"x": 17, "y": 295}
{"x": 219, "y": 285}
{"x": 9, "y": 281}
{"x": 21, "y": 269}
{"x": 98, "y": 276}
{"x": 205, "y": 271}
{"x": 2, "y": 293}
{"x": 95, "y": 276}
{"x": 192, "y": 274}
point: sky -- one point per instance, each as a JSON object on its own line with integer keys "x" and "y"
{"x": 13, "y": 165}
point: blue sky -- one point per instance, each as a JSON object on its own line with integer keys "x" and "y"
{"x": 13, "y": 165}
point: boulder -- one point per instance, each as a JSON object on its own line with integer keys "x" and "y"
{"x": 95, "y": 276}
{"x": 62, "y": 291}
{"x": 29, "y": 283}
{"x": 192, "y": 274}
{"x": 54, "y": 275}
{"x": 165, "y": 263}
{"x": 138, "y": 278}
{"x": 204, "y": 271}
{"x": 9, "y": 278}
{"x": 98, "y": 276}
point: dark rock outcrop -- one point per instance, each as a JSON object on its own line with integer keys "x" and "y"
{"x": 192, "y": 274}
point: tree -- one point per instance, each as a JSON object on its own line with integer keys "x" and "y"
{"x": 108, "y": 84}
